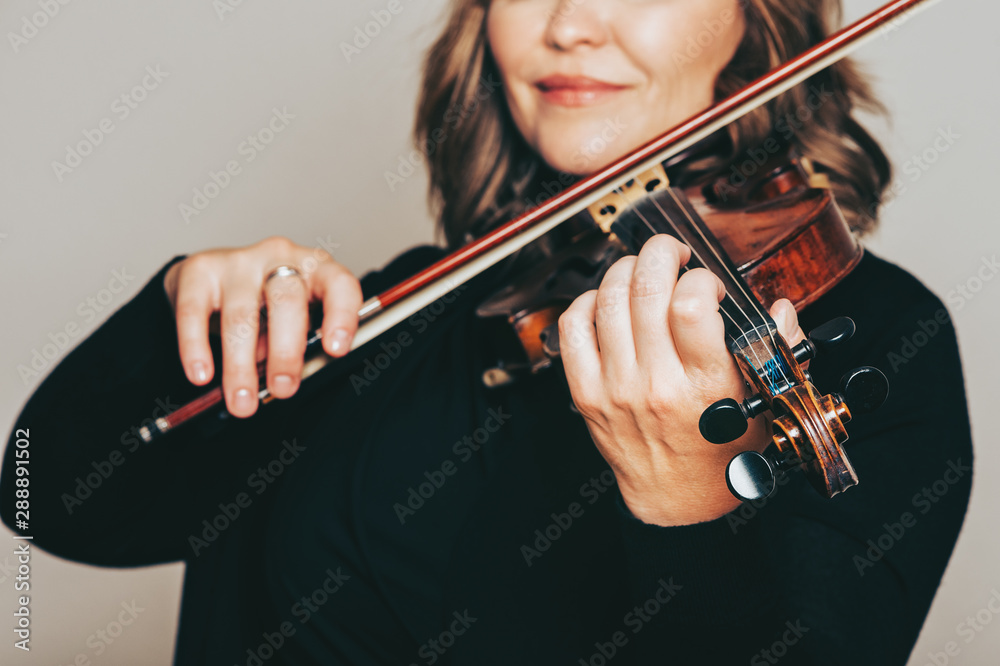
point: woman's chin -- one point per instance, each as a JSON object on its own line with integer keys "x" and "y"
{"x": 586, "y": 152}
{"x": 579, "y": 161}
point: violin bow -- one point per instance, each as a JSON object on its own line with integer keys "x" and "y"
{"x": 382, "y": 312}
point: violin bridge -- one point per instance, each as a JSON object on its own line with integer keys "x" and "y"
{"x": 606, "y": 210}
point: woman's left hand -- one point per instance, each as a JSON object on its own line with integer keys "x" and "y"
{"x": 644, "y": 355}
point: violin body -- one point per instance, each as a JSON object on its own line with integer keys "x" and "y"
{"x": 787, "y": 238}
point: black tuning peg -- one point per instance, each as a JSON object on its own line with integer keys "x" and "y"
{"x": 864, "y": 389}
{"x": 752, "y": 476}
{"x": 726, "y": 420}
{"x": 823, "y": 338}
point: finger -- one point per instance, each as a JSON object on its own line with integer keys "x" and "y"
{"x": 197, "y": 298}
{"x": 697, "y": 328}
{"x": 578, "y": 347}
{"x": 653, "y": 282}
{"x": 240, "y": 325}
{"x": 287, "y": 303}
{"x": 341, "y": 295}
{"x": 787, "y": 320}
{"x": 613, "y": 319}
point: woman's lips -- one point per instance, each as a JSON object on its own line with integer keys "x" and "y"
{"x": 576, "y": 90}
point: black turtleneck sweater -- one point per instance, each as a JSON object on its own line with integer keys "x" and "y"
{"x": 396, "y": 511}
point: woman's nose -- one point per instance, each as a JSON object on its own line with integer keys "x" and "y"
{"x": 577, "y": 22}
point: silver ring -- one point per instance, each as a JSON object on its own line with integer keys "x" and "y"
{"x": 283, "y": 271}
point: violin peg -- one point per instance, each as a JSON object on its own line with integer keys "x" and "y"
{"x": 824, "y": 338}
{"x": 726, "y": 420}
{"x": 833, "y": 332}
{"x": 723, "y": 422}
{"x": 750, "y": 476}
{"x": 864, "y": 389}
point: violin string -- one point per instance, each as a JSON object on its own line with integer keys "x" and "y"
{"x": 666, "y": 216}
{"x": 684, "y": 269}
{"x": 739, "y": 283}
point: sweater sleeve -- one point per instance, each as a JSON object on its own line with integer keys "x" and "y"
{"x": 97, "y": 493}
{"x": 810, "y": 580}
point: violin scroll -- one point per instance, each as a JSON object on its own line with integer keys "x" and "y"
{"x": 726, "y": 420}
{"x": 809, "y": 431}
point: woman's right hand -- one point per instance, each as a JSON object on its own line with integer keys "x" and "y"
{"x": 230, "y": 281}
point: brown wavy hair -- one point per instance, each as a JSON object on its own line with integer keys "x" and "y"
{"x": 482, "y": 172}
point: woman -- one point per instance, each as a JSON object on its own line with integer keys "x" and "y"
{"x": 394, "y": 510}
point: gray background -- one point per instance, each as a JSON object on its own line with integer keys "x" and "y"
{"x": 322, "y": 181}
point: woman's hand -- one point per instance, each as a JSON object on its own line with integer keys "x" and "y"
{"x": 644, "y": 355}
{"x": 231, "y": 282}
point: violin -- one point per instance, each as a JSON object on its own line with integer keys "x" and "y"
{"x": 774, "y": 236}
{"x": 780, "y": 235}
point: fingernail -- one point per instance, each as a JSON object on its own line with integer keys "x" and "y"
{"x": 283, "y": 383}
{"x": 243, "y": 401}
{"x": 338, "y": 340}
{"x": 199, "y": 371}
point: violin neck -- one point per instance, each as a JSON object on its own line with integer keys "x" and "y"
{"x": 669, "y": 211}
